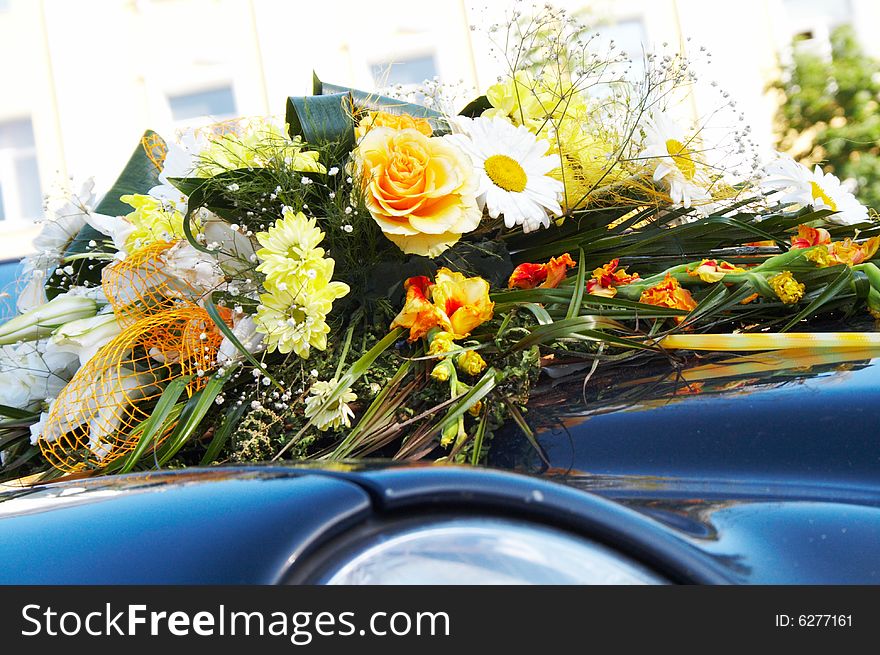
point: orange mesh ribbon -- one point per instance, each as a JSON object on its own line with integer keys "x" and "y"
{"x": 165, "y": 335}
{"x": 156, "y": 149}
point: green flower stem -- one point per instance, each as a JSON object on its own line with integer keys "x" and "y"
{"x": 779, "y": 263}
{"x": 345, "y": 346}
{"x": 756, "y": 276}
{"x": 871, "y": 271}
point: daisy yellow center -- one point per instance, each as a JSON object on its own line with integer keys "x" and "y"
{"x": 683, "y": 157}
{"x": 506, "y": 173}
{"x": 819, "y": 194}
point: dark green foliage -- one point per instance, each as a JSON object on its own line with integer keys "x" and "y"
{"x": 830, "y": 112}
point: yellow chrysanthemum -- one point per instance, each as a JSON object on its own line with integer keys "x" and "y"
{"x": 152, "y": 222}
{"x": 586, "y": 147}
{"x": 290, "y": 248}
{"x": 787, "y": 288}
{"x": 255, "y": 144}
{"x": 337, "y": 414}
{"x": 295, "y": 320}
{"x": 293, "y": 313}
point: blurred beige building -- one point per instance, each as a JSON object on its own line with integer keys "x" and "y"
{"x": 82, "y": 79}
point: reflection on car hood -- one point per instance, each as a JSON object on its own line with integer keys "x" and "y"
{"x": 768, "y": 461}
{"x": 797, "y": 416}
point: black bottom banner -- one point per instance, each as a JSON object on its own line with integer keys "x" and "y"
{"x": 433, "y": 619}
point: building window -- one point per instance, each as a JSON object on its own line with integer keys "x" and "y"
{"x": 407, "y": 71}
{"x": 21, "y": 197}
{"x": 218, "y": 102}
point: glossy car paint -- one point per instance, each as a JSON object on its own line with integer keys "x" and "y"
{"x": 768, "y": 463}
{"x": 184, "y": 528}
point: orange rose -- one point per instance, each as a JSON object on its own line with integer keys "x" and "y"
{"x": 669, "y": 293}
{"x": 394, "y": 121}
{"x": 419, "y": 189}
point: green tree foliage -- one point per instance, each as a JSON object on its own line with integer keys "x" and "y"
{"x": 830, "y": 115}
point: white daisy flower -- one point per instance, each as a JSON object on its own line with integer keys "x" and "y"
{"x": 820, "y": 190}
{"x": 513, "y": 166}
{"x": 667, "y": 150}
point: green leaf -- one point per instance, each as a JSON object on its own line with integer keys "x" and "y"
{"x": 479, "y": 436}
{"x": 840, "y": 283}
{"x": 10, "y": 437}
{"x": 476, "y": 107}
{"x": 351, "y": 376}
{"x": 191, "y": 416}
{"x": 466, "y": 401}
{"x": 711, "y": 301}
{"x": 139, "y": 176}
{"x": 539, "y": 312}
{"x": 23, "y": 459}
{"x": 214, "y": 313}
{"x": 350, "y": 442}
{"x": 322, "y": 119}
{"x": 580, "y": 284}
{"x": 520, "y": 421}
{"x": 221, "y": 434}
{"x": 373, "y": 102}
{"x": 571, "y": 328}
{"x": 157, "y": 422}
{"x": 12, "y": 412}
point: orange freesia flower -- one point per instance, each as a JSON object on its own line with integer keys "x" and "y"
{"x": 606, "y": 278}
{"x": 547, "y": 276}
{"x": 807, "y": 237}
{"x": 850, "y": 253}
{"x": 712, "y": 270}
{"x": 454, "y": 303}
{"x": 669, "y": 293}
{"x": 418, "y": 313}
{"x": 463, "y": 300}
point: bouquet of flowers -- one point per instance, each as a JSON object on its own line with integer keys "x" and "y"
{"x": 374, "y": 277}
